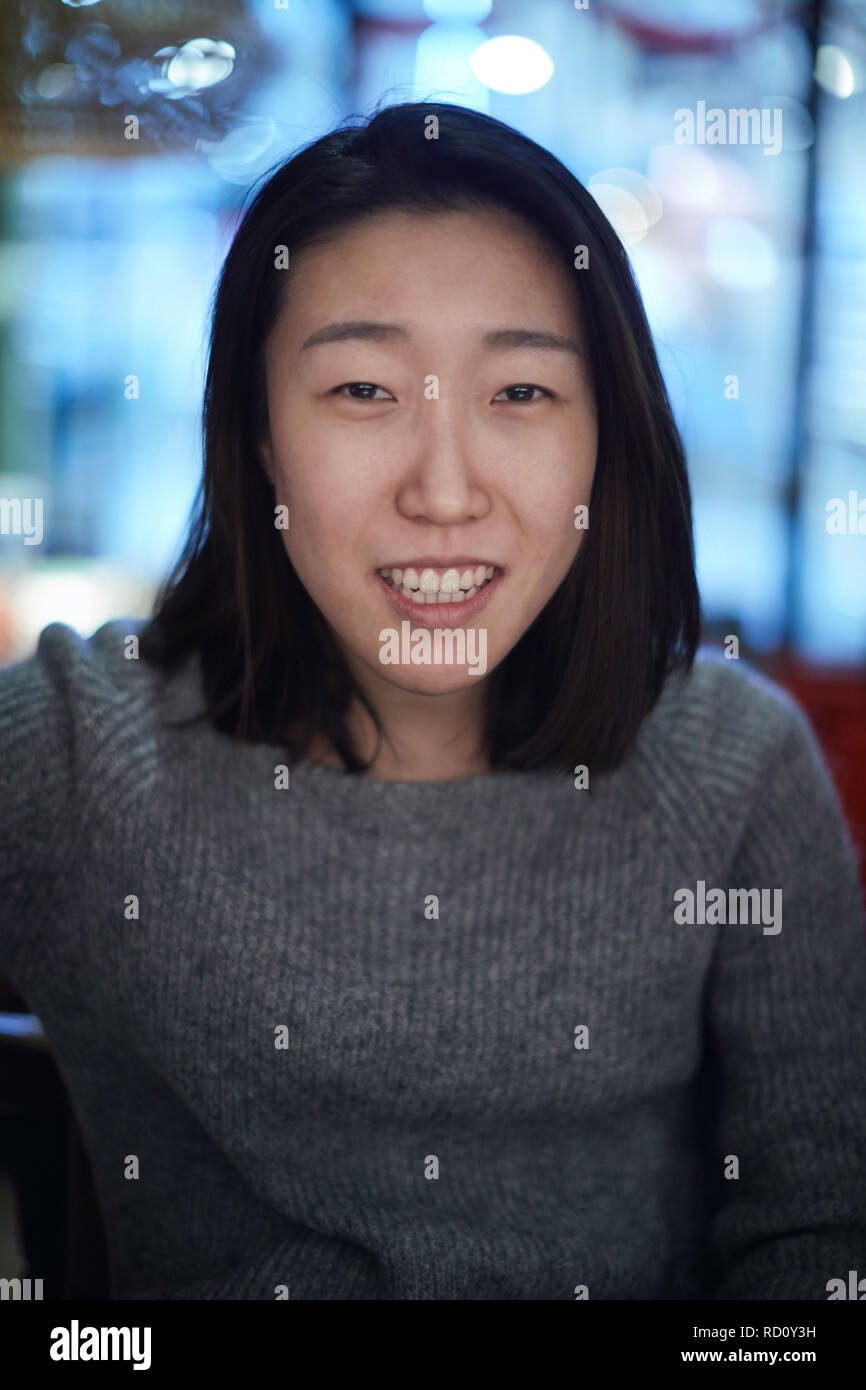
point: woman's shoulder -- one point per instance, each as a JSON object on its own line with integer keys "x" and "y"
{"x": 77, "y": 719}
{"x": 720, "y": 705}
{"x": 721, "y": 732}
{"x": 61, "y": 646}
{"x": 76, "y": 674}
{"x": 78, "y": 701}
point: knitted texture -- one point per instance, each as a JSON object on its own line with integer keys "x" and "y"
{"x": 360, "y": 1039}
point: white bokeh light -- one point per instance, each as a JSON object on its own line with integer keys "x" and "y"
{"x": 195, "y": 65}
{"x": 512, "y": 64}
{"x": 837, "y": 71}
{"x": 628, "y": 200}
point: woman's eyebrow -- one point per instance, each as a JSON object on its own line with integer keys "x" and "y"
{"x": 495, "y": 338}
{"x": 529, "y": 338}
{"x": 355, "y": 328}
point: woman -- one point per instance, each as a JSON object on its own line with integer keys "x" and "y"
{"x": 412, "y": 914}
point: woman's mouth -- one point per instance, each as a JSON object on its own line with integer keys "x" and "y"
{"x": 439, "y": 585}
{"x": 440, "y": 597}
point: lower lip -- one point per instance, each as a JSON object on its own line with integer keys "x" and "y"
{"x": 440, "y": 614}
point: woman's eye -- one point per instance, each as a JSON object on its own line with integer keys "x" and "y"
{"x": 520, "y": 394}
{"x": 525, "y": 397}
{"x": 360, "y": 390}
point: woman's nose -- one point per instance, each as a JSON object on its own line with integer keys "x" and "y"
{"x": 443, "y": 481}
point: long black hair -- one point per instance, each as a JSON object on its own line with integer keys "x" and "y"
{"x": 576, "y": 686}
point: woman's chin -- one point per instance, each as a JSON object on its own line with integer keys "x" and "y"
{"x": 431, "y": 680}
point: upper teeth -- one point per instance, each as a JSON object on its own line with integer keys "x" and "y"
{"x": 429, "y": 587}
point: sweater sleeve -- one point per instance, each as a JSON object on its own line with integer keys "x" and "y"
{"x": 36, "y": 783}
{"x": 787, "y": 1025}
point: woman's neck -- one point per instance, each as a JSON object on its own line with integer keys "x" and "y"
{"x": 419, "y": 756}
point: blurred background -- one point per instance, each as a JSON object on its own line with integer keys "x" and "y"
{"x": 130, "y": 133}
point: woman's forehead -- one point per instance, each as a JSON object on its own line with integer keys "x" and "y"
{"x": 405, "y": 269}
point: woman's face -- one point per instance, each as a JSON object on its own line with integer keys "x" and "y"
{"x": 433, "y": 424}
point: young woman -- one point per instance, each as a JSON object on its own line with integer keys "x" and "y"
{"x": 411, "y": 913}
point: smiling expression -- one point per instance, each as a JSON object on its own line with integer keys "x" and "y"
{"x": 431, "y": 414}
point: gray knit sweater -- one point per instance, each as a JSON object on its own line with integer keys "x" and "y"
{"x": 495, "y": 1038}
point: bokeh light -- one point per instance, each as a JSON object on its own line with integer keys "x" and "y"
{"x": 512, "y": 64}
